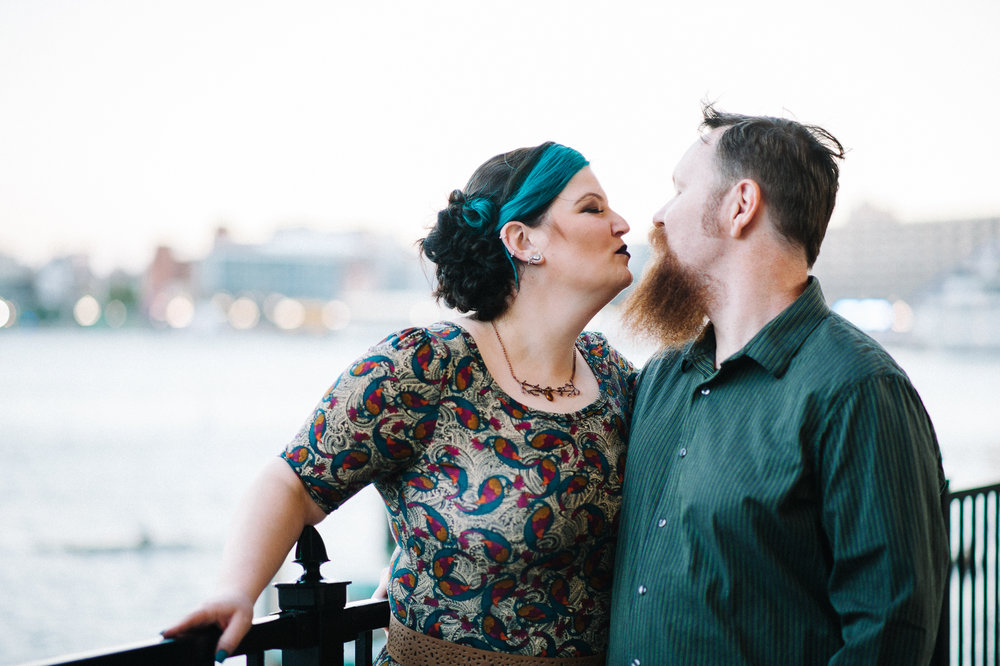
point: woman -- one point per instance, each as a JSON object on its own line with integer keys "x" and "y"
{"x": 497, "y": 442}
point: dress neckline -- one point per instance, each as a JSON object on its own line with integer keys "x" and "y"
{"x": 597, "y": 404}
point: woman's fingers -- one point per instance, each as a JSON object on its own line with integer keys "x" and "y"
{"x": 234, "y": 618}
{"x": 199, "y": 618}
{"x": 382, "y": 591}
{"x": 235, "y": 629}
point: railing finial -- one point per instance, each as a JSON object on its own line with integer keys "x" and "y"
{"x": 310, "y": 554}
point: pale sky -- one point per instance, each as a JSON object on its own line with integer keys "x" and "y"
{"x": 125, "y": 124}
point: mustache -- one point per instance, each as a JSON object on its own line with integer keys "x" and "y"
{"x": 658, "y": 239}
{"x": 660, "y": 245}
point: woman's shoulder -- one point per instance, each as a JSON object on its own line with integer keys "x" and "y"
{"x": 440, "y": 334}
{"x": 424, "y": 348}
{"x": 597, "y": 347}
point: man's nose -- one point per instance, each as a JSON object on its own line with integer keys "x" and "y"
{"x": 658, "y": 216}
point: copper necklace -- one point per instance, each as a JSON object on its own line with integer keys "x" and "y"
{"x": 566, "y": 390}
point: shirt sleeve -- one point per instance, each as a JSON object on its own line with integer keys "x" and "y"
{"x": 374, "y": 421}
{"x": 881, "y": 482}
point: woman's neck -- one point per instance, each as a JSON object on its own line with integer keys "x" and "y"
{"x": 535, "y": 343}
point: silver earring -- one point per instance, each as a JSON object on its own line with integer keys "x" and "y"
{"x": 535, "y": 258}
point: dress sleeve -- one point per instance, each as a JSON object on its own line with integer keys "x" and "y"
{"x": 374, "y": 421}
{"x": 881, "y": 479}
{"x": 617, "y": 375}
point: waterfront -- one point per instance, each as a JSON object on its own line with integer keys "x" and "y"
{"x": 123, "y": 454}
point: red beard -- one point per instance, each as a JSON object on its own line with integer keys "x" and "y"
{"x": 670, "y": 303}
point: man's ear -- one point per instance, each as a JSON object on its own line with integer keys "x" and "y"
{"x": 521, "y": 241}
{"x": 742, "y": 207}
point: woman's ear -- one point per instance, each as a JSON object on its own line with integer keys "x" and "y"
{"x": 521, "y": 242}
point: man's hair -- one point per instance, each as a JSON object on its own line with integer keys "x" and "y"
{"x": 794, "y": 165}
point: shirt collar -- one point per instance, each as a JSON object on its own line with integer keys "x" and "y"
{"x": 776, "y": 344}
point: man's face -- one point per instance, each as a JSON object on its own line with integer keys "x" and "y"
{"x": 671, "y": 302}
{"x": 689, "y": 221}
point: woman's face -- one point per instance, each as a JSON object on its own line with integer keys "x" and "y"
{"x": 581, "y": 239}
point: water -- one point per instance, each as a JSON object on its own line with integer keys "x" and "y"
{"x": 123, "y": 455}
{"x": 122, "y": 458}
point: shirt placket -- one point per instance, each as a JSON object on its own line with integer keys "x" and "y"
{"x": 646, "y": 592}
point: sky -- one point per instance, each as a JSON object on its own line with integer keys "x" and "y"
{"x": 127, "y": 124}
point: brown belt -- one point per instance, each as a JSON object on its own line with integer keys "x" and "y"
{"x": 412, "y": 648}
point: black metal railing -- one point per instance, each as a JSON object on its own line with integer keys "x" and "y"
{"x": 972, "y": 603}
{"x": 315, "y": 621}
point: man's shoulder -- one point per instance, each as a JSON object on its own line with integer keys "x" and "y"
{"x": 838, "y": 351}
{"x": 667, "y": 360}
{"x": 660, "y": 371}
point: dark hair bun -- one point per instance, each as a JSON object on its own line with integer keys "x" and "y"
{"x": 473, "y": 272}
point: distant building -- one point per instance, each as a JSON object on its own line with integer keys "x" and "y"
{"x": 60, "y": 283}
{"x": 875, "y": 256}
{"x": 932, "y": 283}
{"x": 963, "y": 310}
{"x": 17, "y": 292}
{"x": 303, "y": 278}
{"x": 298, "y": 264}
{"x": 304, "y": 264}
{"x": 165, "y": 279}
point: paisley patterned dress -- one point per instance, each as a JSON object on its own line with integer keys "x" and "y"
{"x": 506, "y": 516}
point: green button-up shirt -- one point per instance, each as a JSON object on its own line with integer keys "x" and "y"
{"x": 783, "y": 509}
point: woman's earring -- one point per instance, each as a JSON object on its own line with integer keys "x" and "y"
{"x": 535, "y": 258}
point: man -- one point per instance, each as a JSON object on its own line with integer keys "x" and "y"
{"x": 782, "y": 492}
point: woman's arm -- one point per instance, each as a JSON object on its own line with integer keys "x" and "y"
{"x": 268, "y": 523}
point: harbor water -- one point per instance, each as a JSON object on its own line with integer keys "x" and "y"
{"x": 123, "y": 455}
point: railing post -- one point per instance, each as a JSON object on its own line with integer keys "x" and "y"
{"x": 311, "y": 594}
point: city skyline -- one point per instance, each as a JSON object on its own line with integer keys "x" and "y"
{"x": 132, "y": 124}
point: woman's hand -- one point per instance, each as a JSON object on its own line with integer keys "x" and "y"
{"x": 268, "y": 522}
{"x": 232, "y": 613}
{"x": 382, "y": 591}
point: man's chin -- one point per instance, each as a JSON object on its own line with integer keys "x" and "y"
{"x": 669, "y": 306}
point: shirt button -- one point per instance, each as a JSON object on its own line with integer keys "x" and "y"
{"x": 636, "y": 662}
{"x": 642, "y": 590}
{"x": 683, "y": 452}
{"x": 662, "y": 522}
{"x": 706, "y": 391}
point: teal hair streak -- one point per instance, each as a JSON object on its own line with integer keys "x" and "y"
{"x": 555, "y": 168}
{"x": 479, "y": 213}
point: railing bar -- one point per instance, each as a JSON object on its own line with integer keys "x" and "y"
{"x": 971, "y": 492}
{"x": 996, "y": 577}
{"x": 985, "y": 579}
{"x": 255, "y": 658}
{"x": 972, "y": 580}
{"x": 363, "y": 649}
{"x": 984, "y": 563}
{"x": 960, "y": 560}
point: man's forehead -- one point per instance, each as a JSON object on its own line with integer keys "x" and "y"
{"x": 703, "y": 146}
{"x": 710, "y": 136}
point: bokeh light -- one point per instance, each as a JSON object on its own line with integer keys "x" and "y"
{"x": 288, "y": 314}
{"x": 868, "y": 314}
{"x": 115, "y": 314}
{"x": 243, "y": 314}
{"x": 902, "y": 317}
{"x": 7, "y": 313}
{"x": 336, "y": 315}
{"x": 87, "y": 311}
{"x": 180, "y": 311}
